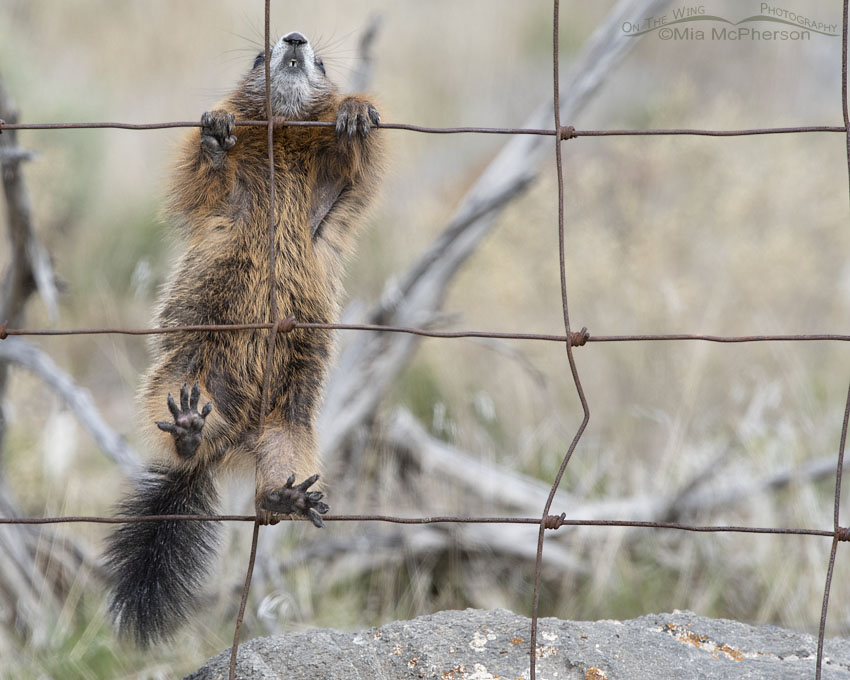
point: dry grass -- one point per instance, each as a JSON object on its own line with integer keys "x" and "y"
{"x": 663, "y": 235}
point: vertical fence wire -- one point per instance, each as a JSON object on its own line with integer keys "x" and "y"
{"x": 844, "y": 104}
{"x": 538, "y": 563}
{"x": 837, "y": 536}
{"x": 252, "y": 557}
{"x": 264, "y": 400}
{"x": 839, "y": 533}
{"x": 570, "y": 339}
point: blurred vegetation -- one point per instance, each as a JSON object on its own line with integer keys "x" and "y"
{"x": 724, "y": 236}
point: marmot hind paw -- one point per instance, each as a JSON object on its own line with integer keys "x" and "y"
{"x": 295, "y": 499}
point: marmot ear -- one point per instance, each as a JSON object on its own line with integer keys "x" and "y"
{"x": 261, "y": 57}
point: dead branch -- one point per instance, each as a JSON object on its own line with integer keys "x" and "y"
{"x": 493, "y": 484}
{"x": 364, "y": 68}
{"x": 514, "y": 492}
{"x": 368, "y": 551}
{"x": 35, "y": 569}
{"x": 75, "y": 397}
{"x": 375, "y": 548}
{"x": 728, "y": 493}
{"x": 368, "y": 365}
{"x": 28, "y": 268}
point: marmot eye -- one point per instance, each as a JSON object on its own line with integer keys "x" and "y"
{"x": 321, "y": 65}
{"x": 261, "y": 57}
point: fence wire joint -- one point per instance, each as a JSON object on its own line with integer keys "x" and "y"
{"x": 555, "y": 521}
{"x": 580, "y": 338}
{"x": 567, "y": 132}
{"x": 286, "y": 325}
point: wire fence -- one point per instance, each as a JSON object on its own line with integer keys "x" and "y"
{"x": 571, "y": 339}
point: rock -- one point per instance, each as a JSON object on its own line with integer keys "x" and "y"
{"x": 490, "y": 645}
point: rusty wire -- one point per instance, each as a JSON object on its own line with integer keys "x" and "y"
{"x": 240, "y": 616}
{"x": 576, "y": 338}
{"x": 565, "y": 132}
{"x": 839, "y": 534}
{"x": 538, "y": 563}
{"x": 276, "y": 326}
{"x": 570, "y": 339}
{"x": 551, "y": 522}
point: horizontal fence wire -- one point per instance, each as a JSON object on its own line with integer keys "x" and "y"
{"x": 565, "y": 133}
{"x": 576, "y": 339}
{"x": 570, "y": 340}
{"x": 551, "y": 522}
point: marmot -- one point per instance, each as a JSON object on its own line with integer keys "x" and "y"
{"x": 324, "y": 179}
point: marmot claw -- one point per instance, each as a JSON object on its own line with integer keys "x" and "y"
{"x": 290, "y": 499}
{"x": 217, "y": 130}
{"x": 356, "y": 117}
{"x": 188, "y": 422}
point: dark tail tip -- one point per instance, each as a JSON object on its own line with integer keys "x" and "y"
{"x": 157, "y": 568}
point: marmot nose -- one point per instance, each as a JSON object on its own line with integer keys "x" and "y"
{"x": 294, "y": 38}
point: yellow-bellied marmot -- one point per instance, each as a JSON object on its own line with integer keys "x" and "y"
{"x": 324, "y": 178}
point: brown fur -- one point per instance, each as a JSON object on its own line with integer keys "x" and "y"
{"x": 223, "y": 278}
{"x": 324, "y": 178}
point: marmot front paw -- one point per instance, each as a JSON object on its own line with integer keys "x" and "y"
{"x": 217, "y": 131}
{"x": 188, "y": 422}
{"x": 289, "y": 499}
{"x": 356, "y": 117}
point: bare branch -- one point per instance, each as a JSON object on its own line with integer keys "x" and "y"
{"x": 352, "y": 556}
{"x": 78, "y": 399}
{"x": 364, "y": 68}
{"x": 371, "y": 362}
{"x": 28, "y": 266}
{"x": 15, "y": 155}
{"x": 29, "y": 263}
{"x": 726, "y": 494}
{"x": 30, "y": 593}
{"x": 509, "y": 489}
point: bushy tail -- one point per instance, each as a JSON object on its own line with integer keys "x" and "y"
{"x": 156, "y": 568}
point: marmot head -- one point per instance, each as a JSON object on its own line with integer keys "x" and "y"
{"x": 298, "y": 79}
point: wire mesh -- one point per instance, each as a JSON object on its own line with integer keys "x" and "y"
{"x": 570, "y": 339}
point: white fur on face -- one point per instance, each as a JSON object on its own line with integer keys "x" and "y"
{"x": 295, "y": 89}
